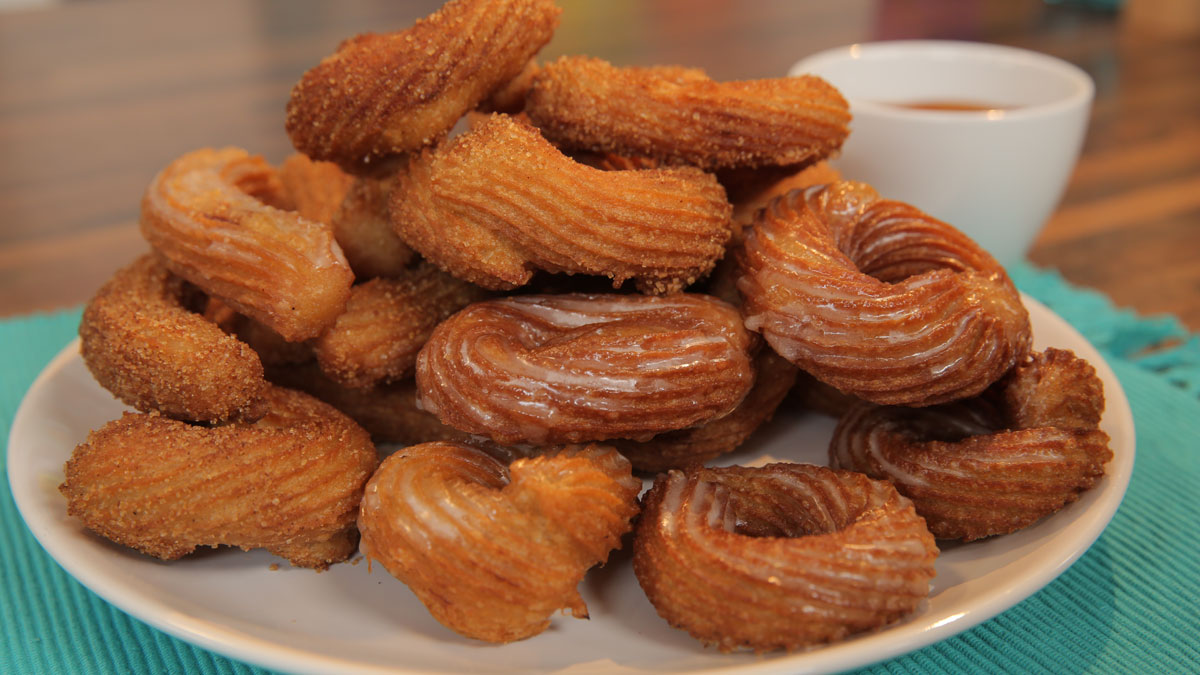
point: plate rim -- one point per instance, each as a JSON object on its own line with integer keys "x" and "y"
{"x": 263, "y": 652}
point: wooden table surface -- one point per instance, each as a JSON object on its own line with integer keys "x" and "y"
{"x": 96, "y": 97}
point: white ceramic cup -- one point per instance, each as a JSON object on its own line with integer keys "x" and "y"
{"x": 996, "y": 174}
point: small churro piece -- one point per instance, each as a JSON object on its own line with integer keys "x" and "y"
{"x": 499, "y": 202}
{"x": 290, "y": 482}
{"x": 269, "y": 264}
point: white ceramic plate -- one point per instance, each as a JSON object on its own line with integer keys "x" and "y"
{"x": 347, "y": 620}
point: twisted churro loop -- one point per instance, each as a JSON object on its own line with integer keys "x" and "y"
{"x": 990, "y": 465}
{"x": 387, "y": 94}
{"x": 681, "y": 116}
{"x": 493, "y": 550}
{"x": 201, "y": 218}
{"x": 148, "y": 349}
{"x": 499, "y": 202}
{"x": 782, "y": 556}
{"x": 878, "y": 299}
{"x": 572, "y": 368}
{"x": 290, "y": 482}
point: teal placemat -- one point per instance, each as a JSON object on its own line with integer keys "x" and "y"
{"x": 1130, "y": 604}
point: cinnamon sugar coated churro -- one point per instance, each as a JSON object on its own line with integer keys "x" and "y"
{"x": 145, "y": 347}
{"x": 681, "y": 116}
{"x": 499, "y": 202}
{"x": 271, "y": 265}
{"x": 385, "y": 94}
{"x": 290, "y": 482}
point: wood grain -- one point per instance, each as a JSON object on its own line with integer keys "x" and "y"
{"x": 97, "y": 97}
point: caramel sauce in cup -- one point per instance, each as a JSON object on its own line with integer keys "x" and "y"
{"x": 955, "y": 106}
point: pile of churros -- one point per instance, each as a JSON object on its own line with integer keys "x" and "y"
{"x": 488, "y": 295}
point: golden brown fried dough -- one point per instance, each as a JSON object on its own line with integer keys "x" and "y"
{"x": 389, "y": 412}
{"x": 271, "y": 265}
{"x": 696, "y": 445}
{"x": 392, "y": 93}
{"x": 681, "y": 116}
{"x": 815, "y": 395}
{"x": 386, "y": 323}
{"x": 878, "y": 299}
{"x": 783, "y": 556}
{"x": 499, "y": 201}
{"x": 991, "y": 465}
{"x": 363, "y": 228}
{"x": 574, "y": 368}
{"x": 290, "y": 482}
{"x": 510, "y": 98}
{"x": 141, "y": 344}
{"x": 314, "y": 189}
{"x": 493, "y": 550}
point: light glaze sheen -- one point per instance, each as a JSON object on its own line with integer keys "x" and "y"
{"x": 493, "y": 550}
{"x": 783, "y": 556}
{"x": 200, "y": 216}
{"x": 573, "y": 367}
{"x": 878, "y": 299}
{"x": 990, "y": 465}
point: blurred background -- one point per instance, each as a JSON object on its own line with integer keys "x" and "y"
{"x": 97, "y": 96}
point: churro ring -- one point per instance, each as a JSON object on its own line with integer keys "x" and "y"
{"x": 994, "y": 464}
{"x": 499, "y": 202}
{"x": 493, "y": 550}
{"x": 201, "y": 217}
{"x": 879, "y": 299}
{"x": 783, "y": 556}
{"x": 149, "y": 350}
{"x": 570, "y": 368}
{"x": 681, "y": 116}
{"x": 387, "y": 94}
{"x": 290, "y": 482}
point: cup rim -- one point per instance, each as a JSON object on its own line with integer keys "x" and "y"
{"x": 1082, "y": 91}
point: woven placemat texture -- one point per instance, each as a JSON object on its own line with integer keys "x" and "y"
{"x": 1128, "y": 605}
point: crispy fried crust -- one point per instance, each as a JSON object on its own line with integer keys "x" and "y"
{"x": 387, "y": 94}
{"x": 879, "y": 299}
{"x": 991, "y": 465}
{"x": 510, "y": 98}
{"x": 290, "y": 483}
{"x": 696, "y": 445}
{"x": 386, "y": 323}
{"x": 493, "y": 550}
{"x": 681, "y": 116}
{"x": 784, "y": 556}
{"x": 574, "y": 368}
{"x": 388, "y": 412}
{"x": 314, "y": 189}
{"x": 271, "y": 265}
{"x": 145, "y": 347}
{"x": 363, "y": 229}
{"x": 499, "y": 201}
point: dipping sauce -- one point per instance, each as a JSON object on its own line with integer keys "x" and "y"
{"x": 958, "y": 106}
